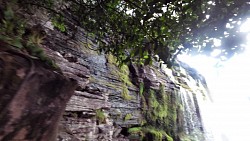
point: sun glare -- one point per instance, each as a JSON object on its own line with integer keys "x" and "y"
{"x": 245, "y": 26}
{"x": 229, "y": 115}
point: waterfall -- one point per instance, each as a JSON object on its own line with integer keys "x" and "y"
{"x": 193, "y": 124}
{"x": 191, "y": 120}
{"x": 192, "y": 95}
{"x": 226, "y": 116}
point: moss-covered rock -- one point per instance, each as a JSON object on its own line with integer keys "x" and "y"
{"x": 100, "y": 116}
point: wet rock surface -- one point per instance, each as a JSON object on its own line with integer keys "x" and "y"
{"x": 103, "y": 86}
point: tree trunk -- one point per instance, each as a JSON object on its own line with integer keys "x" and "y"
{"x": 32, "y": 97}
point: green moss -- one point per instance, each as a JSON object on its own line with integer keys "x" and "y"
{"x": 150, "y": 133}
{"x": 141, "y": 88}
{"x": 169, "y": 138}
{"x": 136, "y": 133}
{"x": 124, "y": 75}
{"x": 58, "y": 22}
{"x": 123, "y": 88}
{"x": 127, "y": 117}
{"x": 15, "y": 32}
{"x": 122, "y": 72}
{"x": 125, "y": 93}
{"x": 135, "y": 130}
{"x": 160, "y": 113}
{"x": 158, "y": 109}
{"x": 156, "y": 134}
{"x": 111, "y": 59}
{"x": 100, "y": 116}
{"x": 153, "y": 103}
{"x": 143, "y": 122}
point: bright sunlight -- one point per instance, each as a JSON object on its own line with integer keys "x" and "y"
{"x": 228, "y": 116}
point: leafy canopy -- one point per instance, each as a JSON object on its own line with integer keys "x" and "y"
{"x": 137, "y": 30}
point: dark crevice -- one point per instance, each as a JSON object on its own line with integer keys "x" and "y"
{"x": 124, "y": 131}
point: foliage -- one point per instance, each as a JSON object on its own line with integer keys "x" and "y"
{"x": 159, "y": 112}
{"x": 58, "y": 22}
{"x": 11, "y": 28}
{"x": 122, "y": 71}
{"x": 125, "y": 93}
{"x": 15, "y": 32}
{"x": 157, "y": 106}
{"x": 135, "y": 130}
{"x": 124, "y": 75}
{"x": 138, "y": 30}
{"x": 151, "y": 133}
{"x": 100, "y": 116}
{"x": 141, "y": 88}
{"x": 127, "y": 117}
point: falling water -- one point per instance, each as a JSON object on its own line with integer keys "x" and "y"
{"x": 189, "y": 111}
{"x": 226, "y": 115}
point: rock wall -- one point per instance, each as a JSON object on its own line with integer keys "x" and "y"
{"x": 33, "y": 97}
{"x": 122, "y": 103}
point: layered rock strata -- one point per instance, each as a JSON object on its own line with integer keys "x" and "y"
{"x": 110, "y": 100}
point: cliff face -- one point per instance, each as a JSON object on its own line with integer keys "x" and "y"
{"x": 123, "y": 103}
{"x": 33, "y": 97}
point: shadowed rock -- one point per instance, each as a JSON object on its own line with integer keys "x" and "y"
{"x": 32, "y": 97}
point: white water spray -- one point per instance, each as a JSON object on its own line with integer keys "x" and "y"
{"x": 227, "y": 117}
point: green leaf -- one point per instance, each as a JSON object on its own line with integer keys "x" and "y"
{"x": 17, "y": 43}
{"x": 180, "y": 22}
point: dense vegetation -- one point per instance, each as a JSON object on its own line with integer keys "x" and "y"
{"x": 139, "y": 30}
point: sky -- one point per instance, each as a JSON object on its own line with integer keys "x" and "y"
{"x": 228, "y": 115}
